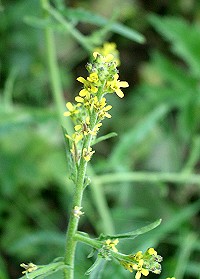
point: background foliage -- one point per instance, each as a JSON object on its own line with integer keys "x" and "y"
{"x": 157, "y": 125}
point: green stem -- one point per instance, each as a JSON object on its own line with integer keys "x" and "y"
{"x": 97, "y": 191}
{"x": 73, "y": 221}
{"x": 8, "y": 90}
{"x": 147, "y": 177}
{"x": 89, "y": 241}
{"x": 54, "y": 72}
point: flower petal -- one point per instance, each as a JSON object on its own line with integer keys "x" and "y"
{"x": 124, "y": 84}
{"x": 119, "y": 93}
{"x": 81, "y": 79}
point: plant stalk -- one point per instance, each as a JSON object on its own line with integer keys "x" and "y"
{"x": 77, "y": 201}
{"x": 150, "y": 177}
{"x": 54, "y": 71}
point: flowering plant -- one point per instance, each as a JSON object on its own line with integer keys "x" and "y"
{"x": 87, "y": 113}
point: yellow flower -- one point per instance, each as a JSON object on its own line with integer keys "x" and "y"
{"x": 87, "y": 153}
{"x": 76, "y": 137}
{"x": 138, "y": 256}
{"x": 28, "y": 267}
{"x": 77, "y": 211}
{"x": 170, "y": 278}
{"x": 140, "y": 270}
{"x": 72, "y": 109}
{"x": 151, "y": 251}
{"x": 115, "y": 85}
{"x": 93, "y": 78}
{"x": 107, "y": 49}
{"x": 101, "y": 107}
{"x": 94, "y": 131}
{"x": 88, "y": 87}
{"x": 104, "y": 59}
{"x": 111, "y": 244}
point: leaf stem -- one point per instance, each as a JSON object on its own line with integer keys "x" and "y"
{"x": 69, "y": 27}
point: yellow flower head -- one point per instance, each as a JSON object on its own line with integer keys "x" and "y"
{"x": 109, "y": 48}
{"x": 72, "y": 109}
{"x": 77, "y": 211}
{"x": 93, "y": 77}
{"x": 115, "y": 84}
{"x": 88, "y": 87}
{"x": 151, "y": 251}
{"x": 140, "y": 269}
{"x": 87, "y": 153}
{"x": 111, "y": 244}
{"x": 76, "y": 137}
{"x": 28, "y": 267}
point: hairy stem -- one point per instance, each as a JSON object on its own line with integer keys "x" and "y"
{"x": 77, "y": 201}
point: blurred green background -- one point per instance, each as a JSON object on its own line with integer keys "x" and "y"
{"x": 158, "y": 127}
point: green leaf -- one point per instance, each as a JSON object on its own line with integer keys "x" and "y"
{"x": 44, "y": 271}
{"x": 134, "y": 233}
{"x": 37, "y": 22}
{"x": 105, "y": 137}
{"x": 95, "y": 271}
{"x": 185, "y": 39}
{"x": 90, "y": 17}
{"x": 70, "y": 161}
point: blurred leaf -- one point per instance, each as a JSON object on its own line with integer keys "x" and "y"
{"x": 96, "y": 270}
{"x": 185, "y": 39}
{"x": 82, "y": 15}
{"x": 186, "y": 248}
{"x": 79, "y": 14}
{"x": 37, "y": 22}
{"x": 23, "y": 117}
{"x": 192, "y": 269}
{"x": 48, "y": 238}
{"x": 105, "y": 137}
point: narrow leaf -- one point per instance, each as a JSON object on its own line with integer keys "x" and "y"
{"x": 70, "y": 162}
{"x": 95, "y": 264}
{"x": 96, "y": 272}
{"x": 90, "y": 17}
{"x": 42, "y": 271}
{"x": 134, "y": 233}
{"x": 105, "y": 137}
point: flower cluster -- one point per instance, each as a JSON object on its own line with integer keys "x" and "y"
{"x": 77, "y": 211}
{"x": 90, "y": 107}
{"x": 143, "y": 263}
{"x": 110, "y": 244}
{"x": 109, "y": 48}
{"x": 107, "y": 248}
{"x": 28, "y": 267}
